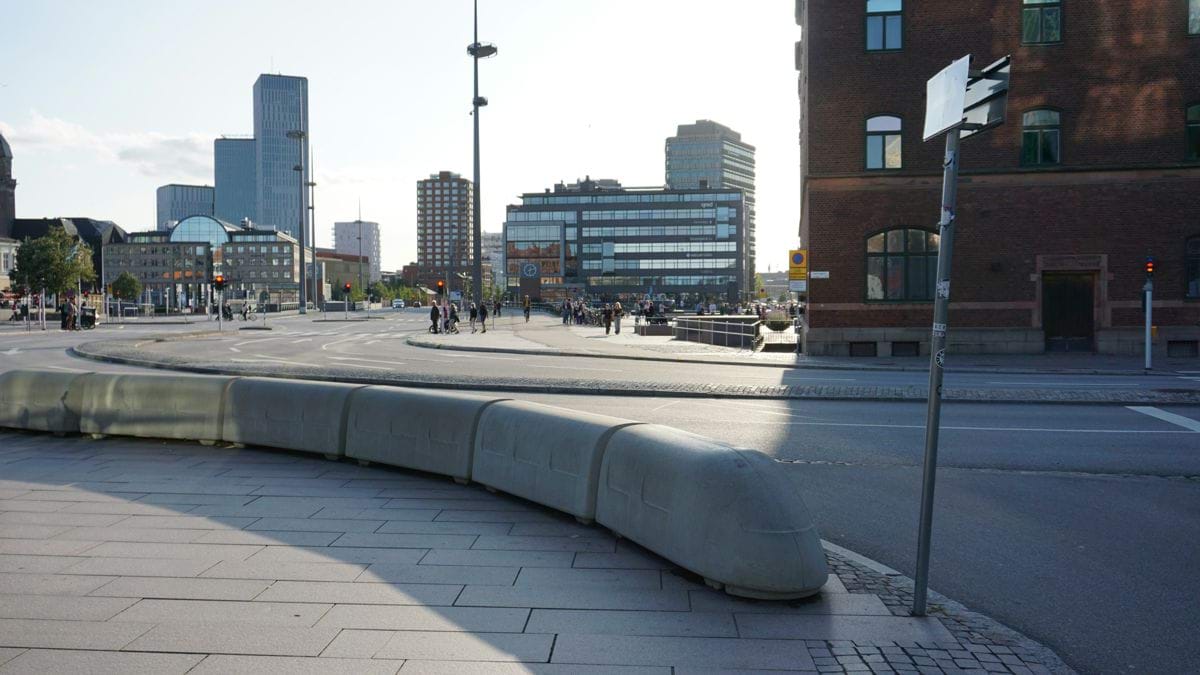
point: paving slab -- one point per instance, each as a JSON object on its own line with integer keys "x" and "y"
{"x": 441, "y": 574}
{"x": 500, "y": 558}
{"x": 720, "y": 653}
{"x": 416, "y": 667}
{"x": 558, "y": 597}
{"x": 599, "y": 622}
{"x": 293, "y": 571}
{"x": 361, "y": 593}
{"x": 467, "y": 646}
{"x": 320, "y": 554}
{"x": 450, "y": 619}
{"x": 30, "y": 564}
{"x": 216, "y": 612}
{"x": 225, "y": 638}
{"x": 56, "y": 634}
{"x": 62, "y": 607}
{"x": 442, "y": 541}
{"x": 222, "y": 664}
{"x": 182, "y": 589}
{"x": 100, "y": 663}
{"x": 49, "y": 584}
{"x": 138, "y": 567}
{"x": 858, "y": 628}
{"x": 589, "y": 578}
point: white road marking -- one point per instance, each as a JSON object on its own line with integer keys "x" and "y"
{"x": 11, "y": 352}
{"x": 296, "y": 342}
{"x": 235, "y": 349}
{"x": 359, "y": 365}
{"x": 351, "y": 358}
{"x": 276, "y": 358}
{"x": 665, "y": 405}
{"x": 1178, "y": 420}
{"x": 327, "y": 345}
{"x": 1054, "y": 384}
{"x": 73, "y": 370}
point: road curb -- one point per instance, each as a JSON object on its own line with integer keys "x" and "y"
{"x": 104, "y": 351}
{"x": 550, "y": 351}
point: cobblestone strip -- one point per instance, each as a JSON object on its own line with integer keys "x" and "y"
{"x": 981, "y": 644}
{"x": 136, "y": 352}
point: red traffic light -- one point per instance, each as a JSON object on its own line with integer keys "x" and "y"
{"x": 346, "y": 286}
{"x": 1149, "y": 267}
{"x": 441, "y": 284}
{"x": 219, "y": 282}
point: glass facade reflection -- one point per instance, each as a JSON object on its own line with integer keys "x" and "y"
{"x": 234, "y": 179}
{"x": 710, "y": 155}
{"x": 658, "y": 247}
{"x": 176, "y": 202}
{"x": 280, "y": 106}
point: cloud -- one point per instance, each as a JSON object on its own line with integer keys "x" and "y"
{"x": 161, "y": 156}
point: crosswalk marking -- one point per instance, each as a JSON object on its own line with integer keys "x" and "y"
{"x": 1179, "y": 420}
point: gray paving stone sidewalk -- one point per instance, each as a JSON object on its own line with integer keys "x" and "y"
{"x": 124, "y": 555}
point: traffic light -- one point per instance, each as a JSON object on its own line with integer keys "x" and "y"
{"x": 441, "y": 286}
{"x": 219, "y": 282}
{"x": 1149, "y": 268}
{"x": 346, "y": 287}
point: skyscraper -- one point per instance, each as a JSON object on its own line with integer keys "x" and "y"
{"x": 346, "y": 239}
{"x": 444, "y": 209}
{"x": 711, "y": 155}
{"x": 8, "y": 190}
{"x": 176, "y": 202}
{"x": 233, "y": 179}
{"x": 280, "y": 107}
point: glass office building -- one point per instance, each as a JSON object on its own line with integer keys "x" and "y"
{"x": 176, "y": 202}
{"x": 280, "y": 106}
{"x": 598, "y": 239}
{"x": 236, "y": 190}
{"x": 711, "y": 155}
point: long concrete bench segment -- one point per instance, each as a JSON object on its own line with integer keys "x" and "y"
{"x": 39, "y": 400}
{"x": 544, "y": 454}
{"x": 152, "y": 406}
{"x": 727, "y": 514}
{"x": 288, "y": 414}
{"x": 423, "y": 430}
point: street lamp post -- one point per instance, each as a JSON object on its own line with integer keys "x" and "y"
{"x": 299, "y": 136}
{"x": 478, "y": 51}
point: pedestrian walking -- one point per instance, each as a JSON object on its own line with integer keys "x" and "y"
{"x": 617, "y": 311}
{"x": 608, "y": 317}
{"x": 483, "y": 315}
{"x": 474, "y": 316}
{"x": 525, "y": 308}
{"x": 434, "y": 318}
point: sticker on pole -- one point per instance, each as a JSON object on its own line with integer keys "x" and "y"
{"x": 939, "y": 329}
{"x": 940, "y": 358}
{"x": 943, "y": 289}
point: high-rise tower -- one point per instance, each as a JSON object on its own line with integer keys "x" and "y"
{"x": 281, "y": 107}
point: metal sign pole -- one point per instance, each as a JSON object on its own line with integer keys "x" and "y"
{"x": 937, "y": 361}
{"x": 1149, "y": 289}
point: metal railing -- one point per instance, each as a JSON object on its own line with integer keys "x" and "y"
{"x": 743, "y": 334}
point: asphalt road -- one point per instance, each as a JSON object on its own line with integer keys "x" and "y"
{"x": 380, "y": 345}
{"x": 1077, "y": 525}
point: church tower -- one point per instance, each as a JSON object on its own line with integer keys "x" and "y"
{"x": 8, "y": 190}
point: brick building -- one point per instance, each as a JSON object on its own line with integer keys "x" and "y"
{"x": 1096, "y": 168}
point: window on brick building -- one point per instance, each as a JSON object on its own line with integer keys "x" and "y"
{"x": 1193, "y": 17}
{"x": 1193, "y": 132}
{"x": 902, "y": 265}
{"x": 1041, "y": 138}
{"x": 1192, "y": 267}
{"x": 884, "y": 21}
{"x": 884, "y": 142}
{"x": 1041, "y": 21}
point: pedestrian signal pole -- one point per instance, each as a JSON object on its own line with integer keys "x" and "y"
{"x": 1148, "y": 289}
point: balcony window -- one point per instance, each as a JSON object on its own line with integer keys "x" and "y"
{"x": 883, "y": 142}
{"x": 1041, "y": 21}
{"x": 884, "y": 24}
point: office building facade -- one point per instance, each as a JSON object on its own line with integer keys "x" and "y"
{"x": 445, "y": 208}
{"x": 234, "y": 184}
{"x": 280, "y": 107}
{"x": 176, "y": 202}
{"x": 710, "y": 155}
{"x": 1095, "y": 169}
{"x": 8, "y": 190}
{"x": 598, "y": 239}
{"x": 360, "y": 237}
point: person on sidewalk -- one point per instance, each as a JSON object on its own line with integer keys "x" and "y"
{"x": 474, "y": 316}
{"x": 526, "y": 308}
{"x": 566, "y": 311}
{"x": 445, "y": 316}
{"x": 608, "y": 317}
{"x": 434, "y": 318}
{"x": 617, "y": 311}
{"x": 483, "y": 315}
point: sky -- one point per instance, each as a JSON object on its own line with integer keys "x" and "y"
{"x": 104, "y": 102}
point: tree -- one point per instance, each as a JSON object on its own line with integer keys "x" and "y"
{"x": 126, "y": 287}
{"x": 759, "y": 283}
{"x": 55, "y": 263}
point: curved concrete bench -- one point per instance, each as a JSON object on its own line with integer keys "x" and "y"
{"x": 39, "y": 400}
{"x": 152, "y": 406}
{"x": 727, "y": 514}
{"x": 544, "y": 454}
{"x": 423, "y": 430}
{"x": 288, "y": 414}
